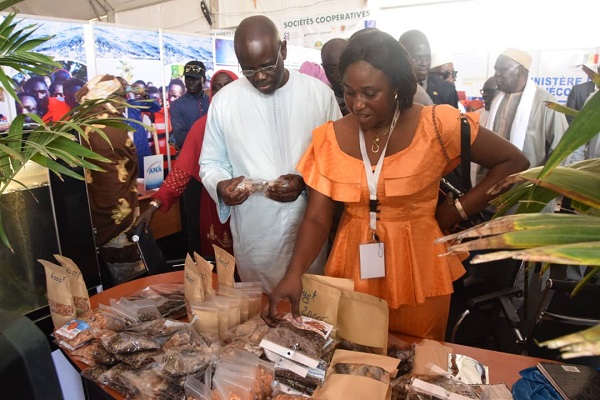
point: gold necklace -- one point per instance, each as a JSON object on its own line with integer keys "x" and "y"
{"x": 377, "y": 137}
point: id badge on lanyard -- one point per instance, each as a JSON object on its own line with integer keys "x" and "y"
{"x": 372, "y": 252}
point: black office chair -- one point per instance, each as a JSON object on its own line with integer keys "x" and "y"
{"x": 26, "y": 368}
{"x": 557, "y": 314}
{"x": 476, "y": 302}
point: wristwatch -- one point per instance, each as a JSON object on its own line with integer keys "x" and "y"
{"x": 155, "y": 204}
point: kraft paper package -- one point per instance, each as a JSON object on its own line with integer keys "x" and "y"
{"x": 429, "y": 353}
{"x": 206, "y": 319}
{"x": 355, "y": 375}
{"x": 321, "y": 297}
{"x": 58, "y": 292}
{"x": 193, "y": 288}
{"x": 225, "y": 266}
{"x": 206, "y": 269}
{"x": 81, "y": 297}
{"x": 352, "y": 309}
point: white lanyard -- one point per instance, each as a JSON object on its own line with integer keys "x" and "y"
{"x": 373, "y": 177}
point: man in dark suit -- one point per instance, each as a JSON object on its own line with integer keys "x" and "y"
{"x": 439, "y": 90}
{"x": 579, "y": 94}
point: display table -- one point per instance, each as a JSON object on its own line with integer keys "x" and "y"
{"x": 503, "y": 367}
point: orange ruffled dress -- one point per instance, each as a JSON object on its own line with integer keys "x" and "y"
{"x": 407, "y": 192}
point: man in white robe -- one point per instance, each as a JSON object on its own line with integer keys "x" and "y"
{"x": 258, "y": 128}
{"x": 519, "y": 113}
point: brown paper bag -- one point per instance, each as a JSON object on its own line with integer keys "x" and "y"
{"x": 58, "y": 292}
{"x": 354, "y": 310}
{"x": 193, "y": 290}
{"x": 206, "y": 269}
{"x": 429, "y": 351}
{"x": 319, "y": 300}
{"x": 81, "y": 297}
{"x": 355, "y": 375}
{"x": 339, "y": 283}
{"x": 225, "y": 266}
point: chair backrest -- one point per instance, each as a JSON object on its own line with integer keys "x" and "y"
{"x": 559, "y": 313}
{"x": 26, "y": 366}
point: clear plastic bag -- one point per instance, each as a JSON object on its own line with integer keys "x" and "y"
{"x": 127, "y": 342}
{"x": 196, "y": 390}
{"x": 258, "y": 185}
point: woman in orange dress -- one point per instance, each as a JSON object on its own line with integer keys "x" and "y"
{"x": 391, "y": 217}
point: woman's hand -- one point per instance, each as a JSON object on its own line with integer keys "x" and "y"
{"x": 146, "y": 216}
{"x": 447, "y": 215}
{"x": 290, "y": 289}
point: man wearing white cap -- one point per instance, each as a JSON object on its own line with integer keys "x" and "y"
{"x": 518, "y": 111}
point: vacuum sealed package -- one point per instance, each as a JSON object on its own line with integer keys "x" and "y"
{"x": 302, "y": 342}
{"x": 168, "y": 297}
{"x": 258, "y": 185}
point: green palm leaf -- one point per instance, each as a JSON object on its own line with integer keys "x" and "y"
{"x": 52, "y": 145}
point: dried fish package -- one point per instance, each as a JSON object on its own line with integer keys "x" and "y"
{"x": 181, "y": 361}
{"x": 302, "y": 342}
{"x": 127, "y": 342}
{"x": 93, "y": 353}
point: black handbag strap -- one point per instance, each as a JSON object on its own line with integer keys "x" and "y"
{"x": 465, "y": 153}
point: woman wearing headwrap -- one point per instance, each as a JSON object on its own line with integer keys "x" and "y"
{"x": 112, "y": 193}
{"x": 212, "y": 231}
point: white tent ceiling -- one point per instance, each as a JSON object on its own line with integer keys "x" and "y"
{"x": 81, "y": 9}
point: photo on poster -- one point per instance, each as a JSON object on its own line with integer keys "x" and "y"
{"x": 178, "y": 49}
{"x": 133, "y": 54}
{"x": 224, "y": 52}
{"x": 44, "y": 95}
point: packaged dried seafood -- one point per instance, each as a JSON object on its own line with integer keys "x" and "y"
{"x": 93, "y": 353}
{"x": 244, "y": 362}
{"x": 147, "y": 383}
{"x": 406, "y": 357}
{"x": 58, "y": 292}
{"x": 73, "y": 334}
{"x": 302, "y": 342}
{"x": 194, "y": 389}
{"x": 168, "y": 297}
{"x": 354, "y": 375}
{"x": 81, "y": 297}
{"x": 139, "y": 358}
{"x": 127, "y": 342}
{"x": 160, "y": 329}
{"x": 181, "y": 361}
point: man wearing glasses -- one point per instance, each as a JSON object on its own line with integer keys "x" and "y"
{"x": 258, "y": 128}
{"x": 490, "y": 87}
{"x": 188, "y": 108}
{"x": 439, "y": 90}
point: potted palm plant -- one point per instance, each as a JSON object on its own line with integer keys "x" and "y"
{"x": 572, "y": 239}
{"x": 52, "y": 145}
